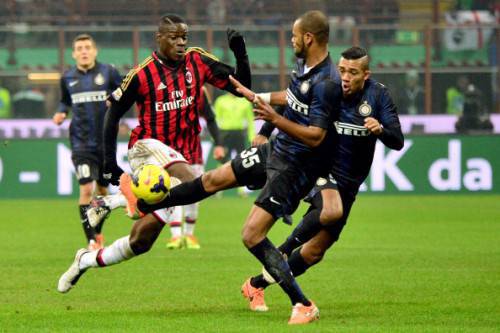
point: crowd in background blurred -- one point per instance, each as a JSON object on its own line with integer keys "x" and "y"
{"x": 35, "y": 36}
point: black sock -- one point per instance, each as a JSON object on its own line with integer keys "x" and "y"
{"x": 304, "y": 231}
{"x": 259, "y": 282}
{"x": 98, "y": 227}
{"x": 87, "y": 229}
{"x": 180, "y": 195}
{"x": 297, "y": 264}
{"x": 274, "y": 263}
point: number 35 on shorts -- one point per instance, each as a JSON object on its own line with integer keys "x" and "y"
{"x": 249, "y": 157}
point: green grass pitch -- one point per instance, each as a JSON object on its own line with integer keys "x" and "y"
{"x": 403, "y": 264}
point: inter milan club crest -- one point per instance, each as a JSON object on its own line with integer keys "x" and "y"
{"x": 304, "y": 87}
{"x": 365, "y": 109}
{"x": 189, "y": 77}
{"x": 99, "y": 79}
{"x": 321, "y": 181}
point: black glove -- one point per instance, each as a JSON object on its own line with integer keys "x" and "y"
{"x": 236, "y": 43}
{"x": 112, "y": 173}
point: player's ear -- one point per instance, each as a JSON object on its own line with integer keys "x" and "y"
{"x": 158, "y": 37}
{"x": 308, "y": 38}
{"x": 367, "y": 74}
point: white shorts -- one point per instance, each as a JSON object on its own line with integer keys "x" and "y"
{"x": 151, "y": 151}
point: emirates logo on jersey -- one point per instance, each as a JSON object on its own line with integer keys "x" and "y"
{"x": 174, "y": 105}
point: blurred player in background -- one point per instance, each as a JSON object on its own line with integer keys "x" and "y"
{"x": 167, "y": 88}
{"x": 182, "y": 235}
{"x": 84, "y": 89}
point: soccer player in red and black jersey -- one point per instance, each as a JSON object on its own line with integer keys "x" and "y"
{"x": 167, "y": 88}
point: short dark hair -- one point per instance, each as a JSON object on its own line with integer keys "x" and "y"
{"x": 354, "y": 53}
{"x": 81, "y": 37}
{"x": 315, "y": 22}
{"x": 169, "y": 19}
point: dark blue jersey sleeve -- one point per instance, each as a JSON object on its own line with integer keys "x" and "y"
{"x": 325, "y": 100}
{"x": 392, "y": 136}
{"x": 65, "y": 102}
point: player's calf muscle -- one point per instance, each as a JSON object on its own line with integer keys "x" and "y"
{"x": 144, "y": 234}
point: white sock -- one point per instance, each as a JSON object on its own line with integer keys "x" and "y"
{"x": 115, "y": 253}
{"x": 189, "y": 227}
{"x": 176, "y": 230}
{"x": 115, "y": 200}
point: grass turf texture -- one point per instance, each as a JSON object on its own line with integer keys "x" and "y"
{"x": 404, "y": 264}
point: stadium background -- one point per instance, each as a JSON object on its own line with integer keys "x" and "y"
{"x": 420, "y": 253}
{"x": 440, "y": 41}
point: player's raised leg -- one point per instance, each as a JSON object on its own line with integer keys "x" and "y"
{"x": 200, "y": 188}
{"x": 143, "y": 235}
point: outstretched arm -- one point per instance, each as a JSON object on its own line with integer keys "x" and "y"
{"x": 273, "y": 98}
{"x": 309, "y": 135}
{"x": 237, "y": 45}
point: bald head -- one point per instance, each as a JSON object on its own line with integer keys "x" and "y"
{"x": 316, "y": 23}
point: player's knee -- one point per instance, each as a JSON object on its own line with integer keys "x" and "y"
{"x": 209, "y": 181}
{"x": 250, "y": 237}
{"x": 86, "y": 191}
{"x": 330, "y": 215}
{"x": 216, "y": 180}
{"x": 140, "y": 245}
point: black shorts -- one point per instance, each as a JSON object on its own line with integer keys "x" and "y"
{"x": 249, "y": 166}
{"x": 88, "y": 167}
{"x": 286, "y": 185}
{"x": 346, "y": 195}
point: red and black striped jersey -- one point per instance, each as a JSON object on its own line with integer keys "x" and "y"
{"x": 169, "y": 98}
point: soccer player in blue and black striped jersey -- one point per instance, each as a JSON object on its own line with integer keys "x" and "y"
{"x": 367, "y": 114}
{"x": 84, "y": 89}
{"x": 298, "y": 155}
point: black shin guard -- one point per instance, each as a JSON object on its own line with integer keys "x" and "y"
{"x": 278, "y": 268}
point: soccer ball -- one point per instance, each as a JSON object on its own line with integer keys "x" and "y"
{"x": 150, "y": 183}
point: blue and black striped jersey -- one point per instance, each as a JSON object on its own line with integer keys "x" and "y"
{"x": 85, "y": 93}
{"x": 353, "y": 145}
{"x": 312, "y": 100}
